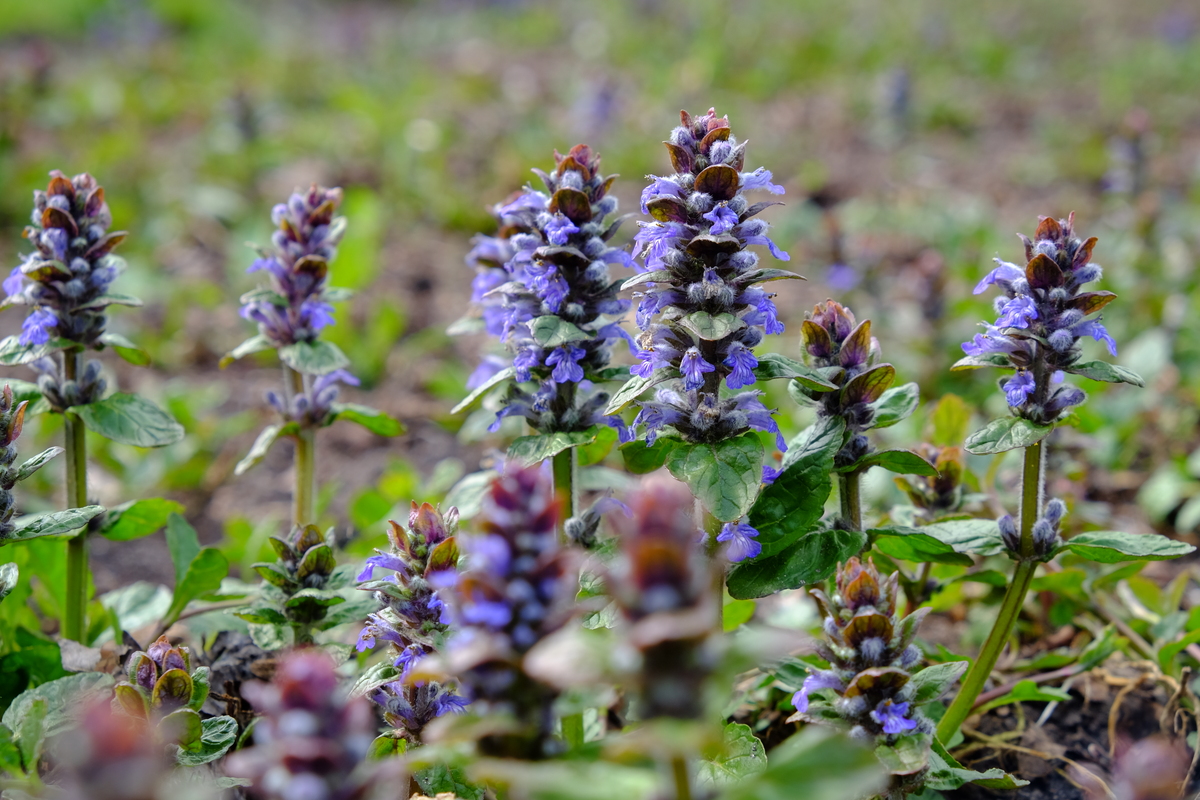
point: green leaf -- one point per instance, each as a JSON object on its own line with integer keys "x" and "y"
{"x": 553, "y": 331}
{"x": 37, "y": 462}
{"x": 742, "y": 756}
{"x": 773, "y": 365}
{"x": 138, "y": 518}
{"x": 949, "y": 420}
{"x": 137, "y": 604}
{"x": 183, "y": 543}
{"x": 987, "y": 360}
{"x": 183, "y": 727}
{"x": 903, "y": 462}
{"x": 946, "y": 774}
{"x": 204, "y": 575}
{"x": 932, "y": 682}
{"x": 827, "y": 764}
{"x": 724, "y": 476}
{"x": 1006, "y": 433}
{"x": 317, "y": 357}
{"x": 709, "y": 327}
{"x": 130, "y": 419}
{"x": 484, "y": 388}
{"x": 271, "y": 637}
{"x": 895, "y": 405}
{"x": 913, "y": 545}
{"x": 736, "y": 613}
{"x": 1109, "y": 373}
{"x": 31, "y": 736}
{"x": 978, "y": 536}
{"x": 1026, "y": 691}
{"x": 53, "y": 523}
{"x": 633, "y": 388}
{"x": 262, "y": 445}
{"x": 23, "y": 391}
{"x": 373, "y": 677}
{"x": 113, "y": 299}
{"x": 9, "y": 574}
{"x": 12, "y": 352}
{"x": 217, "y": 735}
{"x": 255, "y": 344}
{"x": 63, "y": 697}
{"x": 640, "y": 459}
{"x": 647, "y": 277}
{"x": 1109, "y": 547}
{"x": 386, "y": 745}
{"x": 467, "y": 494}
{"x": 372, "y": 419}
{"x": 126, "y": 349}
{"x": 789, "y": 507}
{"x": 908, "y": 755}
{"x": 808, "y": 560}
{"x": 441, "y": 778}
{"x": 528, "y": 450}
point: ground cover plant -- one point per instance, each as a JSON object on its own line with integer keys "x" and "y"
{"x": 629, "y": 506}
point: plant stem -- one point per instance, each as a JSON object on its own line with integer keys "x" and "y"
{"x": 306, "y": 461}
{"x": 1010, "y": 607}
{"x": 850, "y": 497}
{"x": 565, "y": 467}
{"x": 75, "y": 612}
{"x": 683, "y": 783}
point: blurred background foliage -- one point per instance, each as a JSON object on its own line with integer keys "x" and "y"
{"x": 914, "y": 140}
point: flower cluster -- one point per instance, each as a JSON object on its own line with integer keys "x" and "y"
{"x": 664, "y": 588}
{"x": 66, "y": 278}
{"x": 559, "y": 304}
{"x": 310, "y": 741}
{"x": 849, "y": 358}
{"x": 12, "y": 419}
{"x": 312, "y": 405}
{"x": 700, "y": 310}
{"x": 413, "y": 618}
{"x": 1046, "y": 539}
{"x": 300, "y": 584}
{"x": 1042, "y": 316}
{"x": 510, "y": 598}
{"x": 870, "y": 653}
{"x": 295, "y": 308}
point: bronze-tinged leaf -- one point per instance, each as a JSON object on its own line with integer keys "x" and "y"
{"x": 685, "y": 119}
{"x": 757, "y": 208}
{"x": 1048, "y": 228}
{"x": 399, "y": 537}
{"x": 1043, "y": 272}
{"x": 443, "y": 557}
{"x": 46, "y": 271}
{"x": 857, "y": 346}
{"x": 1091, "y": 302}
{"x": 719, "y": 181}
{"x": 563, "y": 256}
{"x": 282, "y": 549}
{"x": 94, "y": 202}
{"x": 863, "y": 590}
{"x": 57, "y": 218}
{"x": 570, "y": 163}
{"x": 739, "y": 157}
{"x": 323, "y": 213}
{"x": 310, "y": 536}
{"x": 131, "y": 701}
{"x": 607, "y": 185}
{"x": 816, "y": 340}
{"x": 59, "y": 184}
{"x": 877, "y": 680}
{"x": 173, "y": 690}
{"x": 106, "y": 244}
{"x": 823, "y": 604}
{"x": 1025, "y": 240}
{"x": 1084, "y": 254}
{"x": 869, "y": 386}
{"x": 665, "y": 208}
{"x": 867, "y": 626}
{"x": 313, "y": 265}
{"x": 317, "y": 560}
{"x": 707, "y": 247}
{"x": 681, "y": 157}
{"x": 715, "y": 135}
{"x": 572, "y": 203}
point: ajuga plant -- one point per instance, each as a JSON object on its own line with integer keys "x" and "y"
{"x": 163, "y": 690}
{"x": 66, "y": 282}
{"x": 559, "y": 314}
{"x": 291, "y": 312}
{"x": 412, "y": 618}
{"x": 516, "y": 590}
{"x": 311, "y": 739}
{"x": 869, "y": 686}
{"x": 701, "y": 313}
{"x": 12, "y": 420}
{"x": 300, "y": 588}
{"x": 1043, "y": 314}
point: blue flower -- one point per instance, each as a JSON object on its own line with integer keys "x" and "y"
{"x": 448, "y": 702}
{"x": 892, "y": 717}
{"x": 770, "y": 474}
{"x": 816, "y": 681}
{"x": 14, "y": 283}
{"x": 760, "y": 179}
{"x": 1093, "y": 328}
{"x": 529, "y": 201}
{"x": 743, "y": 541}
{"x": 36, "y": 327}
{"x": 722, "y": 218}
{"x": 693, "y": 368}
{"x": 660, "y": 187}
{"x": 381, "y": 561}
{"x": 1018, "y": 388}
{"x": 1004, "y": 272}
{"x": 566, "y": 363}
{"x": 1017, "y": 312}
{"x": 742, "y": 361}
{"x": 559, "y": 230}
